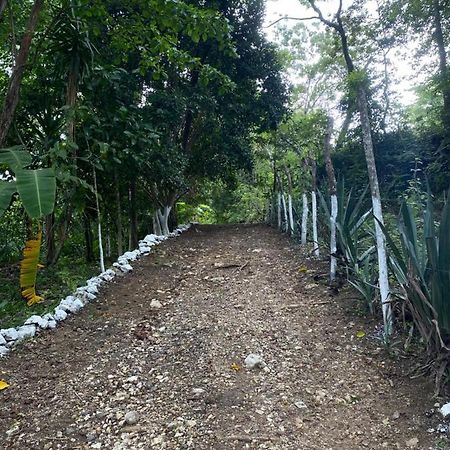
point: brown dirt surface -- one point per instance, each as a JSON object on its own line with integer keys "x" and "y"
{"x": 179, "y": 372}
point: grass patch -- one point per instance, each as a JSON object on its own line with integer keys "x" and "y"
{"x": 53, "y": 284}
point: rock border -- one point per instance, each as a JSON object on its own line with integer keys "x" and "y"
{"x": 10, "y": 337}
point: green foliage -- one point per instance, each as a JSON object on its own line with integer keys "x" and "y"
{"x": 36, "y": 187}
{"x": 421, "y": 266}
{"x": 355, "y": 245}
{"x": 55, "y": 284}
{"x": 200, "y": 213}
{"x": 12, "y": 233}
{"x": 37, "y": 191}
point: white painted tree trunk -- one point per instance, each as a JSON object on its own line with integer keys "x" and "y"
{"x": 314, "y": 224}
{"x": 383, "y": 275}
{"x": 156, "y": 224}
{"x": 99, "y": 219}
{"x": 291, "y": 215}
{"x": 279, "y": 210}
{"x": 286, "y": 223}
{"x": 333, "y": 245}
{"x": 304, "y": 219}
{"x": 164, "y": 219}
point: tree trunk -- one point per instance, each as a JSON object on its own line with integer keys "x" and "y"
{"x": 314, "y": 208}
{"x": 3, "y": 4}
{"x": 71, "y": 99}
{"x": 290, "y": 215}
{"x": 332, "y": 190}
{"x": 286, "y": 223}
{"x": 156, "y": 224}
{"x": 108, "y": 244}
{"x": 12, "y": 94}
{"x": 99, "y": 219}
{"x": 50, "y": 238}
{"x": 88, "y": 238}
{"x": 304, "y": 218}
{"x": 164, "y": 219}
{"x": 279, "y": 210}
{"x": 444, "y": 74}
{"x": 370, "y": 160}
{"x": 63, "y": 227}
{"x": 119, "y": 228}
{"x": 133, "y": 216}
{"x": 383, "y": 275}
{"x": 290, "y": 212}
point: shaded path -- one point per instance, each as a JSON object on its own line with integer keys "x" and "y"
{"x": 225, "y": 292}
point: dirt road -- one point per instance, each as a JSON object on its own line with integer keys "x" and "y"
{"x": 126, "y": 374}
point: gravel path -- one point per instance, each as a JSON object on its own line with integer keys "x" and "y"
{"x": 129, "y": 373}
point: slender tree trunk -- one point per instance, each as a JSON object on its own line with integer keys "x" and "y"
{"x": 88, "y": 238}
{"x": 290, "y": 212}
{"x": 279, "y": 210}
{"x": 438, "y": 37}
{"x": 383, "y": 275}
{"x": 285, "y": 214}
{"x": 108, "y": 244}
{"x": 3, "y": 4}
{"x": 99, "y": 219}
{"x": 63, "y": 228}
{"x": 370, "y": 159}
{"x": 71, "y": 100}
{"x": 304, "y": 218}
{"x": 133, "y": 215}
{"x": 156, "y": 224}
{"x": 13, "y": 92}
{"x": 332, "y": 190}
{"x": 314, "y": 208}
{"x": 290, "y": 215}
{"x": 50, "y": 238}
{"x": 119, "y": 227}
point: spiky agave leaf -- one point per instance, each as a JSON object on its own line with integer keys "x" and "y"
{"x": 28, "y": 270}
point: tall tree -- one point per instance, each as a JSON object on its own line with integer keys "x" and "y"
{"x": 358, "y": 81}
{"x": 12, "y": 94}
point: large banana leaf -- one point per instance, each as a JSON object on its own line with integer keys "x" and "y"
{"x": 15, "y": 157}
{"x": 37, "y": 191}
{"x": 7, "y": 189}
{"x": 28, "y": 270}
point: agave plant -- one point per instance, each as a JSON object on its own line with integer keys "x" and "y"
{"x": 355, "y": 249}
{"x": 36, "y": 189}
{"x": 422, "y": 268}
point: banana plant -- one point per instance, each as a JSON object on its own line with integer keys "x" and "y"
{"x": 36, "y": 188}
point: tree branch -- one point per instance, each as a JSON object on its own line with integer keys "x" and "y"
{"x": 292, "y": 18}
{"x": 321, "y": 17}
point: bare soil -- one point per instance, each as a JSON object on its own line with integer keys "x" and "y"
{"x": 179, "y": 370}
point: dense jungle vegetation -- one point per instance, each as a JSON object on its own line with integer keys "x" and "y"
{"x": 123, "y": 118}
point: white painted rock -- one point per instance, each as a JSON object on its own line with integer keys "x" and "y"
{"x": 2, "y": 340}
{"x": 3, "y": 350}
{"x": 445, "y": 410}
{"x": 71, "y": 304}
{"x": 25, "y": 332}
{"x": 150, "y": 239}
{"x": 10, "y": 334}
{"x": 60, "y": 314}
{"x": 155, "y": 304}
{"x": 126, "y": 268}
{"x": 92, "y": 289}
{"x": 254, "y": 361}
{"x": 37, "y": 320}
